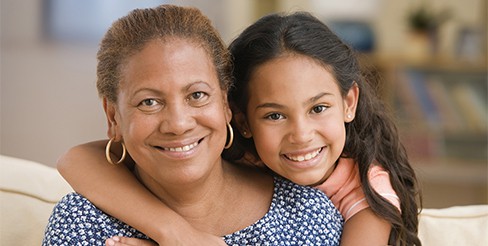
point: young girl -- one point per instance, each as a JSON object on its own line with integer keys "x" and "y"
{"x": 303, "y": 106}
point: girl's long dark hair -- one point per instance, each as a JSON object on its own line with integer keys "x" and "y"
{"x": 371, "y": 137}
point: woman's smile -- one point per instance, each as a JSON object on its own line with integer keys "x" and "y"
{"x": 180, "y": 150}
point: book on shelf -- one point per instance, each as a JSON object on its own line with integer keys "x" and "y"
{"x": 471, "y": 107}
{"x": 451, "y": 103}
{"x": 450, "y": 119}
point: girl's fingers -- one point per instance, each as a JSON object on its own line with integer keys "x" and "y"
{"x": 128, "y": 241}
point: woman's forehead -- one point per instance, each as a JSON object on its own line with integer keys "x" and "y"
{"x": 174, "y": 60}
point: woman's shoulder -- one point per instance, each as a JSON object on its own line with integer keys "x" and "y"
{"x": 291, "y": 194}
{"x": 298, "y": 215}
{"x": 75, "y": 219}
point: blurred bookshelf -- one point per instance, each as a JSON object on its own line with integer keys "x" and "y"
{"x": 441, "y": 110}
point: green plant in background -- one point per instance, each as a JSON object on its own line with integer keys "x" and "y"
{"x": 425, "y": 19}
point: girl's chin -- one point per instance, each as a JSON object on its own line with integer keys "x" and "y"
{"x": 308, "y": 182}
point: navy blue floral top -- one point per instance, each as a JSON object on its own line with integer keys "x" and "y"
{"x": 298, "y": 215}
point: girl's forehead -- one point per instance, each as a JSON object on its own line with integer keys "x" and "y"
{"x": 294, "y": 68}
{"x": 297, "y": 77}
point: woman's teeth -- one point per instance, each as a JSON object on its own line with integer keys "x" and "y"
{"x": 183, "y": 148}
{"x": 305, "y": 157}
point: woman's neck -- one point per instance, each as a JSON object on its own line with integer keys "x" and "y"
{"x": 216, "y": 202}
{"x": 181, "y": 189}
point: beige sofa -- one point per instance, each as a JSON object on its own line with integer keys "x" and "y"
{"x": 29, "y": 190}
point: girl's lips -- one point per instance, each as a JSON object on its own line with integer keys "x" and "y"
{"x": 304, "y": 156}
{"x": 304, "y": 160}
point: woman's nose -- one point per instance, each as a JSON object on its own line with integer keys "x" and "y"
{"x": 177, "y": 120}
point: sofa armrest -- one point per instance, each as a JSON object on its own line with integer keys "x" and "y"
{"x": 460, "y": 225}
{"x": 28, "y": 193}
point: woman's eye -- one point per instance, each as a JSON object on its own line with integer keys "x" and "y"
{"x": 148, "y": 102}
{"x": 198, "y": 98}
{"x": 274, "y": 116}
{"x": 149, "y": 105}
{"x": 197, "y": 95}
{"x": 319, "y": 109}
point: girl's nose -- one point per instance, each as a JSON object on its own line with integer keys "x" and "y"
{"x": 301, "y": 131}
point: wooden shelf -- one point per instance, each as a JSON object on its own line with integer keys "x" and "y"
{"x": 447, "y": 141}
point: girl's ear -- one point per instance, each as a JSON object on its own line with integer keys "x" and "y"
{"x": 110, "y": 112}
{"x": 351, "y": 103}
{"x": 240, "y": 121}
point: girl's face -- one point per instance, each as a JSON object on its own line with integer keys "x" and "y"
{"x": 296, "y": 116}
{"x": 171, "y": 112}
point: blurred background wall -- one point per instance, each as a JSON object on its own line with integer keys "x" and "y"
{"x": 431, "y": 56}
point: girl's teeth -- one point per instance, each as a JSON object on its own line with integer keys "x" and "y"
{"x": 304, "y": 157}
{"x": 184, "y": 148}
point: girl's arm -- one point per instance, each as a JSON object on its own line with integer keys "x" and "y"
{"x": 365, "y": 228}
{"x": 115, "y": 190}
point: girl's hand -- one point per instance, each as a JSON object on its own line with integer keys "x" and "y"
{"x": 128, "y": 241}
{"x": 196, "y": 238}
{"x": 191, "y": 237}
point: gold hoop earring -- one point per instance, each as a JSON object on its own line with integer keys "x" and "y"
{"x": 107, "y": 152}
{"x": 231, "y": 136}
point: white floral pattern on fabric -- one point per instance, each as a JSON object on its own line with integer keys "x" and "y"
{"x": 297, "y": 216}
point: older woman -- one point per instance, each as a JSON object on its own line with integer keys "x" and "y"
{"x": 163, "y": 75}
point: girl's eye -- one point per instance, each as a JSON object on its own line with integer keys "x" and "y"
{"x": 319, "y": 109}
{"x": 274, "y": 116}
{"x": 149, "y": 105}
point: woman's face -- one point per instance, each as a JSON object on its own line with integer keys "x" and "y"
{"x": 296, "y": 115}
{"x": 171, "y": 112}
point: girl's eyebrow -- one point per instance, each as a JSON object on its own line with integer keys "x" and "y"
{"x": 317, "y": 97}
{"x": 309, "y": 101}
{"x": 270, "y": 105}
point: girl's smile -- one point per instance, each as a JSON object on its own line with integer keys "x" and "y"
{"x": 296, "y": 115}
{"x": 306, "y": 156}
{"x": 301, "y": 162}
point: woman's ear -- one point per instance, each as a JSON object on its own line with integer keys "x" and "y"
{"x": 110, "y": 111}
{"x": 351, "y": 103}
{"x": 227, "y": 109}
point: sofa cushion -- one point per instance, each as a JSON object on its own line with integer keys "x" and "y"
{"x": 28, "y": 192}
{"x": 460, "y": 225}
